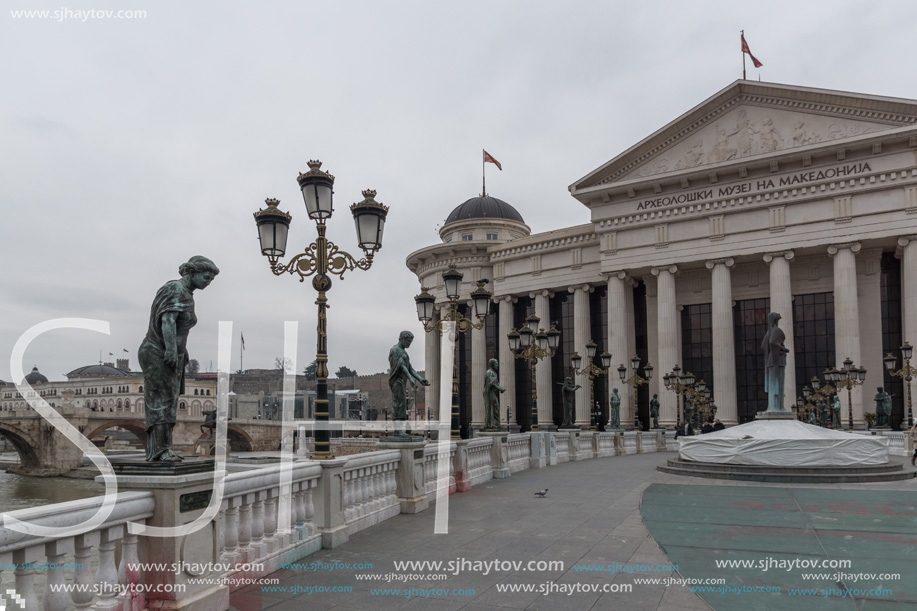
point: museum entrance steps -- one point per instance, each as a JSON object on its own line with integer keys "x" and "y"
{"x": 892, "y": 471}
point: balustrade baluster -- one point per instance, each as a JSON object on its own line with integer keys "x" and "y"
{"x": 245, "y": 528}
{"x": 129, "y": 569}
{"x": 107, "y": 573}
{"x": 270, "y": 521}
{"x": 82, "y": 575}
{"x": 25, "y": 560}
{"x": 258, "y": 525}
{"x": 308, "y": 508}
{"x": 231, "y": 532}
{"x": 55, "y": 597}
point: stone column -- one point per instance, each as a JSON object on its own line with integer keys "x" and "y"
{"x": 431, "y": 367}
{"x": 478, "y": 370}
{"x": 543, "y": 377}
{"x": 506, "y": 358}
{"x": 782, "y": 302}
{"x": 618, "y": 330}
{"x": 907, "y": 247}
{"x": 724, "y": 350}
{"x": 847, "y": 320}
{"x": 581, "y": 335}
{"x": 667, "y": 348}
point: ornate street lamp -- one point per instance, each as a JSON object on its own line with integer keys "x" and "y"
{"x": 522, "y": 346}
{"x": 907, "y": 373}
{"x": 592, "y": 370}
{"x": 636, "y": 381}
{"x": 320, "y": 258}
{"x": 849, "y": 377}
{"x": 452, "y": 280}
{"x": 682, "y": 385}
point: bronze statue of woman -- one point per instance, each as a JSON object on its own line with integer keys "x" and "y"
{"x": 163, "y": 354}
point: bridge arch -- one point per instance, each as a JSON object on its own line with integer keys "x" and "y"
{"x": 134, "y": 426}
{"x": 239, "y": 440}
{"x": 24, "y": 444}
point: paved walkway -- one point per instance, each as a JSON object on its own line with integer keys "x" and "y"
{"x": 591, "y": 518}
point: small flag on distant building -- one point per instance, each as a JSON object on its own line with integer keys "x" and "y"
{"x": 111, "y": 354}
{"x": 489, "y": 159}
{"x": 242, "y": 335}
{"x": 745, "y": 49}
{"x": 124, "y": 349}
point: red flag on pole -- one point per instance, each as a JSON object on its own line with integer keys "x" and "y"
{"x": 745, "y": 49}
{"x": 488, "y": 158}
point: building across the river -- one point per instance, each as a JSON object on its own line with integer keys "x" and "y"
{"x": 762, "y": 198}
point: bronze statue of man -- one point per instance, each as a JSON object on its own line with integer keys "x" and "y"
{"x": 774, "y": 363}
{"x": 883, "y": 407}
{"x": 492, "y": 392}
{"x": 654, "y": 411}
{"x": 399, "y": 373}
{"x": 614, "y": 419}
{"x": 163, "y": 353}
{"x": 569, "y": 393}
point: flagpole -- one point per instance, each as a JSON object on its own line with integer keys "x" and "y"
{"x": 483, "y": 177}
{"x": 742, "y": 34}
{"x": 241, "y": 349}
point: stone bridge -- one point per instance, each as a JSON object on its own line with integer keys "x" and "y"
{"x": 44, "y": 451}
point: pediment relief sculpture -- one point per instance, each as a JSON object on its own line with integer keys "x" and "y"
{"x": 748, "y": 131}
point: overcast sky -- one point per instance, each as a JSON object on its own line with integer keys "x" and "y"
{"x": 129, "y": 145}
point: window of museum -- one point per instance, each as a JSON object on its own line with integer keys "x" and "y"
{"x": 750, "y": 323}
{"x": 467, "y": 237}
{"x": 491, "y": 236}
{"x": 181, "y": 405}
{"x": 598, "y": 323}
{"x": 892, "y": 337}
{"x": 697, "y": 342}
{"x": 523, "y": 409}
{"x": 561, "y": 309}
{"x": 813, "y": 333}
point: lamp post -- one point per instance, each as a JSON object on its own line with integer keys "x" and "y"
{"x": 907, "y": 372}
{"x": 635, "y": 380}
{"x": 681, "y": 385}
{"x": 592, "y": 370}
{"x": 320, "y": 259}
{"x": 522, "y": 346}
{"x": 848, "y": 377}
{"x": 452, "y": 279}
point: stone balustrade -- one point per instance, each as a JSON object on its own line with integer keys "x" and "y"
{"x": 269, "y": 515}
{"x": 116, "y": 584}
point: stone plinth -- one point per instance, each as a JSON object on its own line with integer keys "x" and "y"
{"x": 539, "y": 457}
{"x": 775, "y": 416}
{"x": 499, "y": 455}
{"x": 410, "y": 483}
{"x": 629, "y": 442}
{"x": 180, "y": 500}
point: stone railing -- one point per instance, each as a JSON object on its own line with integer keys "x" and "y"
{"x": 269, "y": 516}
{"x": 897, "y": 442}
{"x": 369, "y": 489}
{"x": 518, "y": 452}
{"x": 259, "y": 527}
{"x": 432, "y": 465}
{"x": 116, "y": 584}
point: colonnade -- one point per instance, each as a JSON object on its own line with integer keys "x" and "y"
{"x": 620, "y": 340}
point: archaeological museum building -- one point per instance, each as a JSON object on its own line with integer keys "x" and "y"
{"x": 763, "y": 198}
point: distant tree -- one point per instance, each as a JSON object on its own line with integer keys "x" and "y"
{"x": 284, "y": 364}
{"x": 309, "y": 371}
{"x": 192, "y": 367}
{"x": 345, "y": 372}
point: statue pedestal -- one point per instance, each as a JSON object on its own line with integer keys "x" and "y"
{"x": 775, "y": 416}
{"x": 499, "y": 456}
{"x": 410, "y": 474}
{"x": 204, "y": 447}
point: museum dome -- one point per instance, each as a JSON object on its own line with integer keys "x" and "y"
{"x": 35, "y": 377}
{"x": 100, "y": 371}
{"x": 484, "y": 207}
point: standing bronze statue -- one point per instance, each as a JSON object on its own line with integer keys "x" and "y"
{"x": 654, "y": 411}
{"x": 774, "y": 363}
{"x": 614, "y": 420}
{"x": 569, "y": 393}
{"x": 163, "y": 353}
{"x": 492, "y": 392}
{"x": 399, "y": 373}
{"x": 836, "y": 413}
{"x": 883, "y": 407}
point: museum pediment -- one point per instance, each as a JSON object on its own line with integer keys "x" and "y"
{"x": 750, "y": 119}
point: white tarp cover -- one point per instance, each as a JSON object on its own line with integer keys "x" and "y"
{"x": 784, "y": 443}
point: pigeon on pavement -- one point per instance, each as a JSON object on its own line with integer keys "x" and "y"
{"x": 542, "y": 493}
